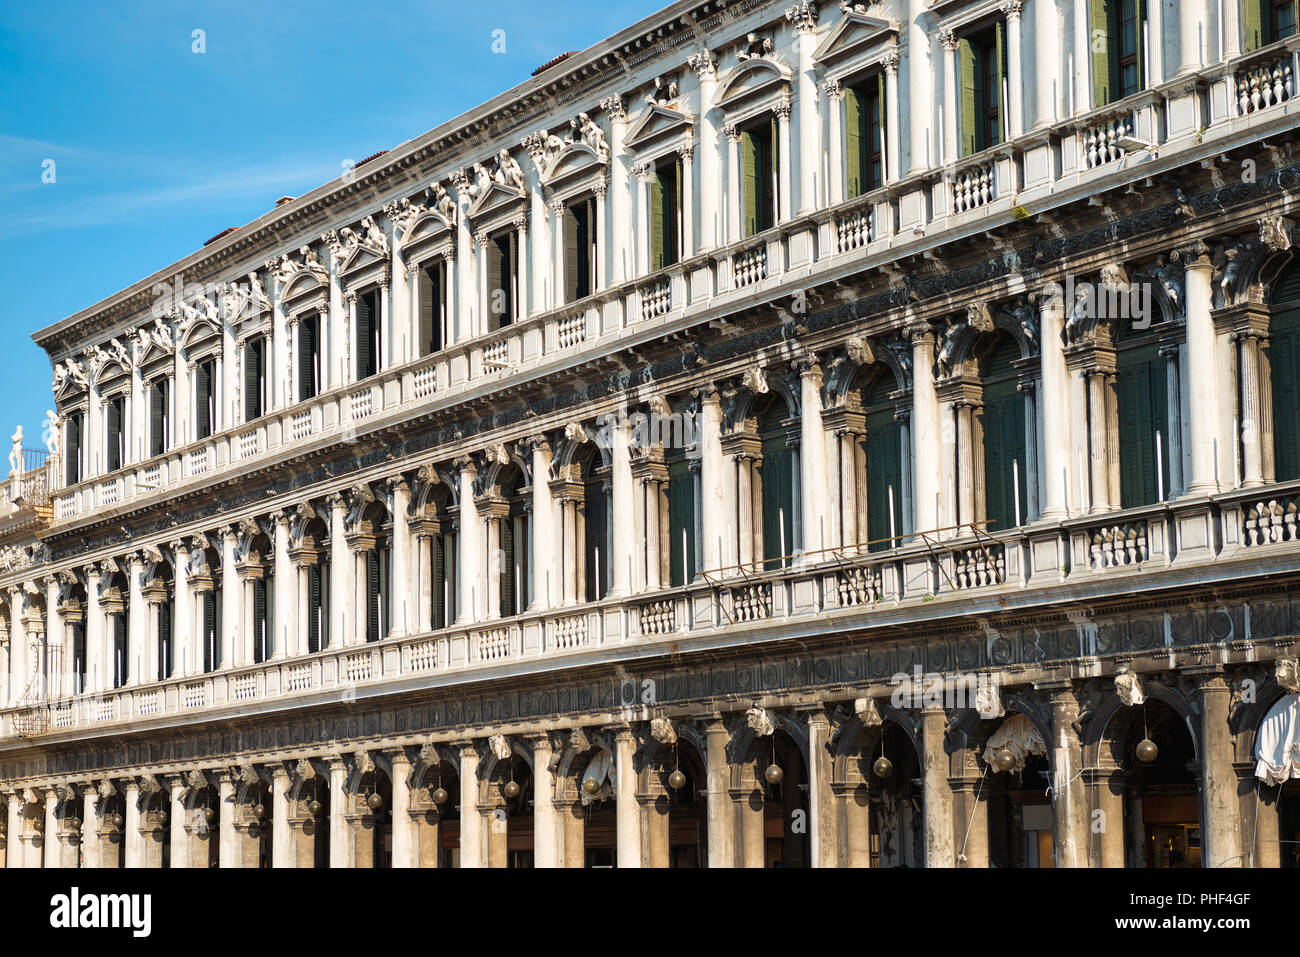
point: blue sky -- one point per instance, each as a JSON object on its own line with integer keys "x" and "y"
{"x": 156, "y": 148}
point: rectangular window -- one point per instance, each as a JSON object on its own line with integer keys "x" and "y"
{"x": 72, "y": 447}
{"x": 884, "y": 467}
{"x": 1005, "y": 464}
{"x": 579, "y": 249}
{"x": 119, "y": 663}
{"x": 115, "y": 437}
{"x": 165, "y": 663}
{"x": 982, "y": 70}
{"x": 368, "y": 334}
{"x": 262, "y": 620}
{"x": 211, "y": 630}
{"x": 758, "y": 163}
{"x": 864, "y": 116}
{"x": 1118, "y": 68}
{"x": 377, "y": 623}
{"x": 665, "y": 213}
{"x": 433, "y": 306}
{"x": 308, "y": 358}
{"x": 444, "y": 580}
{"x": 158, "y": 416}
{"x": 1144, "y": 425}
{"x": 254, "y": 378}
{"x": 205, "y": 398}
{"x": 1267, "y": 21}
{"x": 317, "y": 606}
{"x": 502, "y": 277}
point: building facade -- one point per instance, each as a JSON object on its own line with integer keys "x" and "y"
{"x": 859, "y": 435}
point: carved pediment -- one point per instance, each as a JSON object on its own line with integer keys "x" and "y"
{"x": 660, "y": 124}
{"x": 752, "y": 79}
{"x": 855, "y": 35}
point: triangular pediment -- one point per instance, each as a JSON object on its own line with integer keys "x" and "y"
{"x": 362, "y": 256}
{"x": 752, "y": 78}
{"x": 854, "y": 34}
{"x": 496, "y": 197}
{"x": 659, "y": 123}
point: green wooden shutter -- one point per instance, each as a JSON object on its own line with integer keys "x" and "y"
{"x": 202, "y": 398}
{"x": 365, "y": 338}
{"x": 1004, "y": 455}
{"x": 1141, "y": 34}
{"x": 157, "y": 418}
{"x": 114, "y": 444}
{"x": 428, "y": 309}
{"x": 572, "y": 278}
{"x": 681, "y": 523}
{"x": 306, "y": 359}
{"x": 778, "y": 500}
{"x": 313, "y": 608}
{"x": 79, "y": 655}
{"x": 1255, "y": 24}
{"x": 252, "y": 381}
{"x": 771, "y": 164}
{"x": 884, "y": 471}
{"x": 969, "y": 72}
{"x": 210, "y": 633}
{"x": 1103, "y": 42}
{"x": 1284, "y": 364}
{"x": 876, "y": 126}
{"x": 1143, "y": 412}
{"x": 372, "y": 595}
{"x": 597, "y": 524}
{"x": 508, "y": 567}
{"x": 73, "y": 468}
{"x": 259, "y": 621}
{"x": 996, "y": 96}
{"x": 751, "y": 190}
{"x": 658, "y": 227}
{"x": 855, "y": 109}
{"x": 439, "y": 582}
{"x": 120, "y": 661}
{"x": 165, "y": 663}
{"x": 673, "y": 218}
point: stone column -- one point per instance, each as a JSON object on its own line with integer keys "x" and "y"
{"x": 340, "y": 575}
{"x": 545, "y": 849}
{"x": 718, "y": 806}
{"x": 1047, "y": 64}
{"x": 713, "y": 516}
{"x": 340, "y": 829}
{"x": 784, "y": 161}
{"x": 94, "y": 633}
{"x": 936, "y": 792}
{"x": 1015, "y": 75}
{"x": 1108, "y": 803}
{"x": 546, "y": 583}
{"x": 685, "y": 154}
{"x": 90, "y": 821}
{"x": 178, "y": 836}
{"x": 405, "y": 606}
{"x": 53, "y": 846}
{"x": 281, "y": 843}
{"x": 822, "y": 831}
{"x": 403, "y": 826}
{"x": 804, "y": 20}
{"x": 1202, "y": 378}
{"x": 470, "y": 542}
{"x": 1191, "y": 18}
{"x": 812, "y": 461}
{"x": 623, "y": 511}
{"x": 230, "y": 603}
{"x": 731, "y": 195}
{"x": 835, "y": 142}
{"x": 920, "y": 79}
{"x": 951, "y": 146}
{"x": 471, "y": 822}
{"x": 183, "y": 643}
{"x": 1056, "y": 409}
{"x": 1069, "y": 800}
{"x": 616, "y": 264}
{"x": 282, "y": 642}
{"x": 14, "y": 831}
{"x": 627, "y": 816}
{"x": 227, "y": 846}
{"x": 134, "y": 837}
{"x": 893, "y": 122}
{"x": 1221, "y": 808}
{"x": 642, "y": 173}
{"x": 925, "y": 429}
{"x": 710, "y": 188}
{"x": 57, "y": 660}
{"x": 1081, "y": 98}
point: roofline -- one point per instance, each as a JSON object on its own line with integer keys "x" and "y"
{"x": 400, "y": 156}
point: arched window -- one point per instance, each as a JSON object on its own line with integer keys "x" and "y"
{"x": 884, "y": 462}
{"x": 596, "y": 526}
{"x": 777, "y": 477}
{"x": 1005, "y": 460}
{"x": 516, "y": 576}
{"x": 1284, "y": 373}
{"x": 1144, "y": 427}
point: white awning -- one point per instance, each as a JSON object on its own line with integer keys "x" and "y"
{"x": 1019, "y": 736}
{"x": 1277, "y": 745}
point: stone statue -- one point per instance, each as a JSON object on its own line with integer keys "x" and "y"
{"x": 52, "y": 431}
{"x": 16, "y": 453}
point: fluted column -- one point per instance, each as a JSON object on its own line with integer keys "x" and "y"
{"x": 546, "y": 584}
{"x": 57, "y": 659}
{"x": 1015, "y": 75}
{"x": 951, "y": 144}
{"x": 733, "y": 192}
{"x": 713, "y": 515}
{"x": 835, "y": 142}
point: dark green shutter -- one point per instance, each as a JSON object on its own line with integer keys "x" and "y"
{"x": 597, "y": 524}
{"x": 252, "y": 381}
{"x": 1255, "y": 24}
{"x": 507, "y": 567}
{"x": 157, "y": 417}
{"x": 73, "y": 471}
{"x": 428, "y": 314}
{"x": 658, "y": 227}
{"x": 1004, "y": 454}
{"x": 313, "y": 608}
{"x": 439, "y": 545}
{"x": 681, "y": 523}
{"x": 211, "y": 635}
{"x": 751, "y": 188}
{"x": 261, "y": 640}
{"x": 365, "y": 338}
{"x": 372, "y": 595}
{"x": 778, "y": 499}
{"x": 79, "y": 655}
{"x": 996, "y": 96}
{"x": 120, "y": 661}
{"x": 306, "y": 359}
{"x": 1143, "y": 411}
{"x": 203, "y": 400}
{"x": 165, "y": 663}
{"x": 1284, "y": 364}
{"x": 1104, "y": 45}
{"x": 969, "y": 72}
{"x": 572, "y": 250}
{"x": 884, "y": 447}
{"x": 855, "y": 140}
